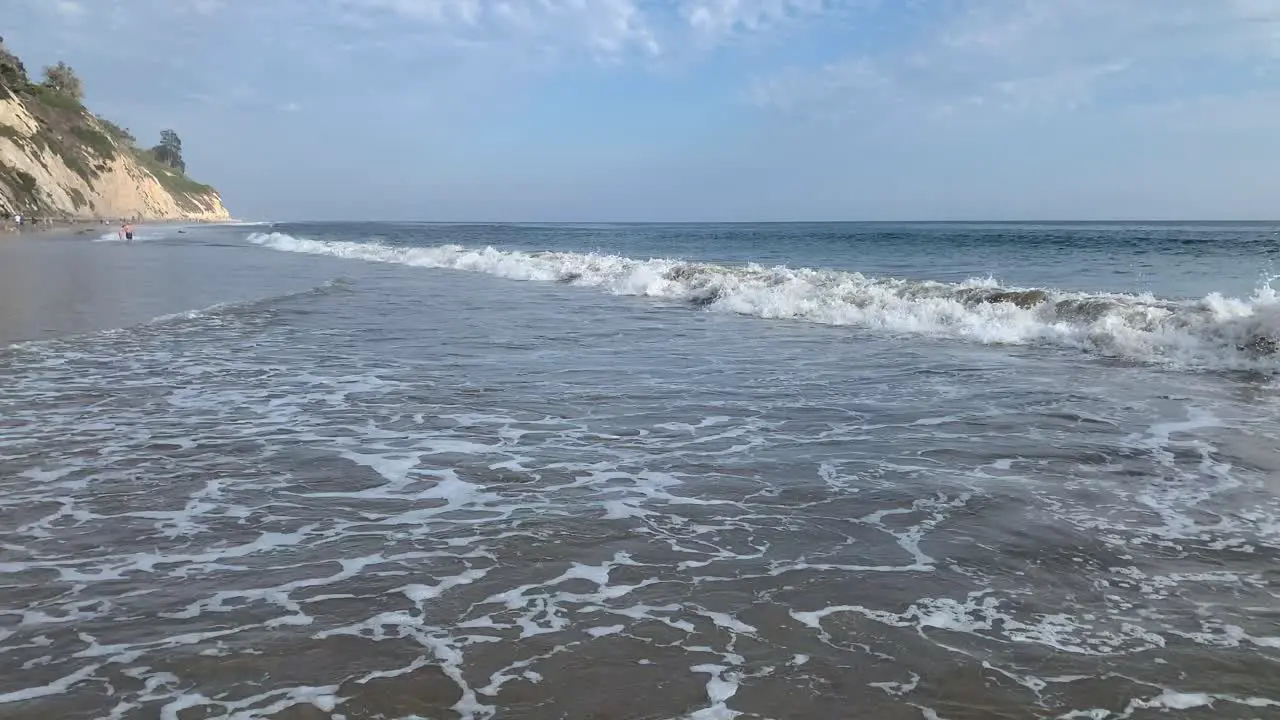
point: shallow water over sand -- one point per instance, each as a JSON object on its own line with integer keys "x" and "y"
{"x": 363, "y": 490}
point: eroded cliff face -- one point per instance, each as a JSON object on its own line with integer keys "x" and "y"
{"x": 64, "y": 162}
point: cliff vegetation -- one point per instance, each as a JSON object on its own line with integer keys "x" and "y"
{"x": 58, "y": 159}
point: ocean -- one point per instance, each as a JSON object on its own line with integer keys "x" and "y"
{"x": 381, "y": 470}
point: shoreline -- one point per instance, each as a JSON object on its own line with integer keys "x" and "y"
{"x": 63, "y": 227}
{"x": 55, "y": 227}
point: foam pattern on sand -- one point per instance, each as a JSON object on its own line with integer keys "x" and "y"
{"x": 209, "y": 515}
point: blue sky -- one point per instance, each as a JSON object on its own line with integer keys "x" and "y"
{"x": 693, "y": 109}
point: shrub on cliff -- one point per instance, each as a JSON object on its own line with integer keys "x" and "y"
{"x": 13, "y": 74}
{"x": 117, "y": 132}
{"x": 62, "y": 79}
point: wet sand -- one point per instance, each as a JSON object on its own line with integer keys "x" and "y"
{"x": 68, "y": 282}
{"x": 60, "y": 227}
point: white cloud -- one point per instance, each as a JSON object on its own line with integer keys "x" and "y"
{"x": 1260, "y": 24}
{"x": 1069, "y": 88}
{"x": 717, "y": 18}
{"x": 802, "y": 87}
{"x": 519, "y": 32}
{"x": 436, "y": 12}
{"x": 207, "y": 7}
{"x": 69, "y": 9}
{"x": 607, "y": 29}
{"x": 1238, "y": 115}
{"x": 1046, "y": 55}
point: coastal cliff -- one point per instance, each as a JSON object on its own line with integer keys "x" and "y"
{"x": 57, "y": 159}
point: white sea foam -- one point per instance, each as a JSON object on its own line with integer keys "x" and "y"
{"x": 1214, "y": 332}
{"x": 151, "y": 233}
{"x": 141, "y": 233}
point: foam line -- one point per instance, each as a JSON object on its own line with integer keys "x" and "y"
{"x": 1213, "y": 332}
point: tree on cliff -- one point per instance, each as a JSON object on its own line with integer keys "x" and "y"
{"x": 62, "y": 79}
{"x": 169, "y": 151}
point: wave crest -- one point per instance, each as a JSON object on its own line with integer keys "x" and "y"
{"x": 1213, "y": 332}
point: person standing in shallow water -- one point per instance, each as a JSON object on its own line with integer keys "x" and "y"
{"x": 126, "y": 231}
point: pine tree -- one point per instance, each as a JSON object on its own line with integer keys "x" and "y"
{"x": 169, "y": 151}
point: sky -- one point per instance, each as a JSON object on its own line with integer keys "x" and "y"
{"x": 692, "y": 110}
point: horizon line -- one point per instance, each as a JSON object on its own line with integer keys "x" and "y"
{"x": 1125, "y": 221}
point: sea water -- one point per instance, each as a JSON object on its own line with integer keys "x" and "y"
{"x": 641, "y": 471}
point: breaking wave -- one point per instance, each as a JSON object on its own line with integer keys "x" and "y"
{"x": 1214, "y": 332}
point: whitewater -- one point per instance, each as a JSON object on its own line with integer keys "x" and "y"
{"x": 1212, "y": 332}
{"x": 687, "y": 472}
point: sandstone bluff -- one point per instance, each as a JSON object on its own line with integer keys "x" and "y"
{"x": 59, "y": 160}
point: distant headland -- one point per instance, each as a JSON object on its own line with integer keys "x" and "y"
{"x": 60, "y": 161}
